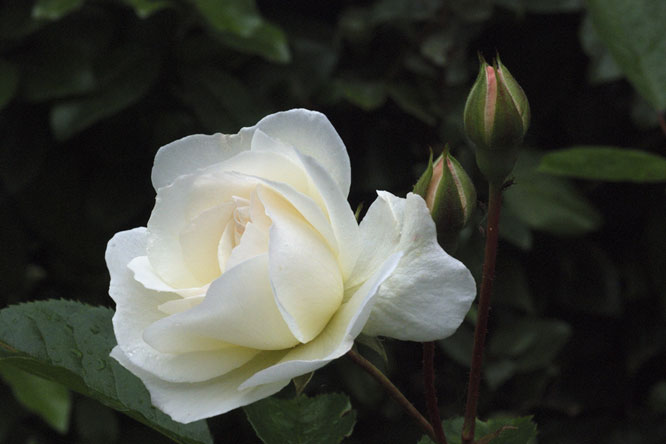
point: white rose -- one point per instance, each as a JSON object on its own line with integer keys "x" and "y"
{"x": 253, "y": 270}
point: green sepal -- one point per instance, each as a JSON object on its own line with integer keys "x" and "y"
{"x": 421, "y": 187}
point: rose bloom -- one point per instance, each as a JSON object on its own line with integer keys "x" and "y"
{"x": 253, "y": 269}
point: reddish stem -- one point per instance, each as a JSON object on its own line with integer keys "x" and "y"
{"x": 430, "y": 392}
{"x": 494, "y": 205}
{"x": 393, "y": 391}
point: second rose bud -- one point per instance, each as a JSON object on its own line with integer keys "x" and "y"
{"x": 450, "y": 196}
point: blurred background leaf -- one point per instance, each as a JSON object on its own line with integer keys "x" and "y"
{"x": 633, "y": 30}
{"x": 610, "y": 164}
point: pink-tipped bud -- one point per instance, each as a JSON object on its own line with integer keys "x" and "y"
{"x": 496, "y": 117}
{"x": 450, "y": 196}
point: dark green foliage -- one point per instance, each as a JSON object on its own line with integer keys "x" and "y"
{"x": 90, "y": 89}
{"x": 69, "y": 342}
{"x": 324, "y": 419}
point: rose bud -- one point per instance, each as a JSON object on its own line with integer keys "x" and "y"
{"x": 450, "y": 197}
{"x": 496, "y": 117}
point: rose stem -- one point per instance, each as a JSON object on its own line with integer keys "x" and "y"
{"x": 662, "y": 121}
{"x": 393, "y": 391}
{"x": 430, "y": 392}
{"x": 494, "y": 205}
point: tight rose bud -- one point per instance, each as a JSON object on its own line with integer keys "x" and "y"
{"x": 449, "y": 195}
{"x": 496, "y": 118}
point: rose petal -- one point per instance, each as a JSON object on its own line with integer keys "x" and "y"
{"x": 312, "y": 134}
{"x": 199, "y": 241}
{"x": 175, "y": 207}
{"x": 429, "y": 293}
{"x": 304, "y": 273}
{"x": 190, "y": 402}
{"x": 336, "y": 339}
{"x": 343, "y": 221}
{"x": 191, "y": 153}
{"x": 146, "y": 276}
{"x": 239, "y": 308}
{"x": 137, "y": 308}
{"x": 253, "y": 243}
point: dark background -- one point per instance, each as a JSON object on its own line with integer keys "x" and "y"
{"x": 90, "y": 90}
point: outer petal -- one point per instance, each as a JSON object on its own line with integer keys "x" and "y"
{"x": 429, "y": 293}
{"x": 191, "y": 153}
{"x": 312, "y": 134}
{"x": 190, "y": 402}
{"x": 336, "y": 339}
{"x": 137, "y": 308}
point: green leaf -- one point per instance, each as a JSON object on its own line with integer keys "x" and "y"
{"x": 531, "y": 343}
{"x": 129, "y": 75}
{"x": 375, "y": 344}
{"x": 54, "y": 9}
{"x": 146, "y": 8}
{"x": 9, "y": 78}
{"x": 367, "y": 95}
{"x": 633, "y": 30}
{"x": 411, "y": 100}
{"x": 547, "y": 203}
{"x": 238, "y": 17}
{"x": 496, "y": 431}
{"x": 221, "y": 101}
{"x": 602, "y": 67}
{"x": 514, "y": 230}
{"x": 69, "y": 342}
{"x": 607, "y": 163}
{"x": 48, "y": 399}
{"x": 324, "y": 419}
{"x": 267, "y": 41}
{"x": 542, "y": 6}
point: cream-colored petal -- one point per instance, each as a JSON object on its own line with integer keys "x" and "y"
{"x": 253, "y": 243}
{"x": 428, "y": 294}
{"x": 307, "y": 207}
{"x": 190, "y": 402}
{"x": 336, "y": 339}
{"x": 304, "y": 274}
{"x": 137, "y": 308}
{"x": 275, "y": 166}
{"x": 341, "y": 217}
{"x": 146, "y": 276}
{"x": 192, "y": 153}
{"x": 175, "y": 207}
{"x": 312, "y": 134}
{"x": 239, "y": 308}
{"x": 225, "y": 246}
{"x": 200, "y": 238}
{"x": 180, "y": 305}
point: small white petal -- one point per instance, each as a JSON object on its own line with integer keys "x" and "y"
{"x": 253, "y": 243}
{"x": 312, "y": 134}
{"x": 304, "y": 273}
{"x": 429, "y": 293}
{"x": 239, "y": 308}
{"x": 186, "y": 403}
